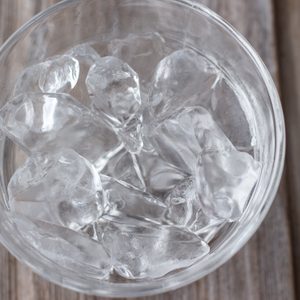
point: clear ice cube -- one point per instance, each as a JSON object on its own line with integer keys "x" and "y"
{"x": 159, "y": 176}
{"x": 125, "y": 200}
{"x": 131, "y": 135}
{"x": 121, "y": 167}
{"x": 141, "y": 52}
{"x": 55, "y": 75}
{"x": 225, "y": 180}
{"x": 177, "y": 78}
{"x": 180, "y": 139}
{"x": 182, "y": 203}
{"x": 192, "y": 134}
{"x": 61, "y": 188}
{"x": 66, "y": 248}
{"x": 209, "y": 135}
{"x": 114, "y": 89}
{"x": 145, "y": 171}
{"x": 185, "y": 210}
{"x": 206, "y": 226}
{"x": 45, "y": 122}
{"x": 33, "y": 119}
{"x": 145, "y": 250}
{"x": 176, "y": 145}
{"x": 84, "y": 53}
{"x": 28, "y": 81}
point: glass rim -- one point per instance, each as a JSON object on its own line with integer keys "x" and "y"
{"x": 229, "y": 248}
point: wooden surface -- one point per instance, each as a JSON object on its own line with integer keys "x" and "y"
{"x": 268, "y": 267}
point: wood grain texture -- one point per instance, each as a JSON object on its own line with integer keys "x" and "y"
{"x": 263, "y": 269}
{"x": 288, "y": 24}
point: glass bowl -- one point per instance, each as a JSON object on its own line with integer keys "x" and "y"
{"x": 75, "y": 21}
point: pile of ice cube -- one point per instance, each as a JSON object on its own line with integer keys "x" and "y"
{"x": 135, "y": 176}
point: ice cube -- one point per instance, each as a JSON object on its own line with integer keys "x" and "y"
{"x": 159, "y": 176}
{"x": 179, "y": 139}
{"x": 55, "y": 75}
{"x": 39, "y": 114}
{"x": 206, "y": 226}
{"x": 131, "y": 134}
{"x": 145, "y": 250}
{"x": 178, "y": 77}
{"x": 185, "y": 210}
{"x": 121, "y": 167}
{"x": 66, "y": 248}
{"x": 225, "y": 180}
{"x": 145, "y": 171}
{"x": 59, "y": 74}
{"x": 182, "y": 203}
{"x": 141, "y": 52}
{"x": 114, "y": 89}
{"x": 209, "y": 135}
{"x": 84, "y": 53}
{"x": 60, "y": 188}
{"x": 176, "y": 145}
{"x": 45, "y": 122}
{"x": 28, "y": 80}
{"x": 92, "y": 139}
{"x": 193, "y": 133}
{"x": 124, "y": 199}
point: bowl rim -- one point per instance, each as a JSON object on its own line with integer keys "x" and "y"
{"x": 195, "y": 272}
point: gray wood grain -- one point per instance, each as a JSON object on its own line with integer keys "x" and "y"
{"x": 263, "y": 269}
{"x": 288, "y": 41}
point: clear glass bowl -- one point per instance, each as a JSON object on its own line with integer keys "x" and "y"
{"x": 75, "y": 21}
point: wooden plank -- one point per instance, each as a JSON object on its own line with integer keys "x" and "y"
{"x": 263, "y": 268}
{"x": 288, "y": 41}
